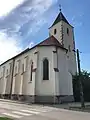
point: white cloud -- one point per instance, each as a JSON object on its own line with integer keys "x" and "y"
{"x": 7, "y": 5}
{"x": 77, "y": 19}
{"x": 43, "y": 5}
{"x": 31, "y": 44}
{"x": 8, "y": 47}
{"x": 25, "y": 20}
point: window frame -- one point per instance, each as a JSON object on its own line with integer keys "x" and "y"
{"x": 45, "y": 70}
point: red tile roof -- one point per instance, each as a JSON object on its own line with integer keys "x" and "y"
{"x": 51, "y": 41}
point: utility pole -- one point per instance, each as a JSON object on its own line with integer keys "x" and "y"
{"x": 80, "y": 81}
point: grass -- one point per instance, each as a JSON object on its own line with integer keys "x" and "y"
{"x": 4, "y": 118}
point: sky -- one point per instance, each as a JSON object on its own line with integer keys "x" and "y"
{"x": 24, "y": 23}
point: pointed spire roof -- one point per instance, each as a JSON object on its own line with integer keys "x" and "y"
{"x": 59, "y": 18}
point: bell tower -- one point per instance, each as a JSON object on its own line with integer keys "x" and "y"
{"x": 64, "y": 33}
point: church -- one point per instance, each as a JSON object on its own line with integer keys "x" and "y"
{"x": 43, "y": 73}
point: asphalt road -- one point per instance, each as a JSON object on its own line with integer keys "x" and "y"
{"x": 39, "y": 112}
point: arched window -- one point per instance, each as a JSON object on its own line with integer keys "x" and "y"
{"x": 31, "y": 70}
{"x": 45, "y": 69}
{"x": 67, "y": 31}
{"x": 55, "y": 31}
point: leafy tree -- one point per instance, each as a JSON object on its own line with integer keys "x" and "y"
{"x": 85, "y": 77}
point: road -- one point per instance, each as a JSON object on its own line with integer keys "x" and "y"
{"x": 39, "y": 112}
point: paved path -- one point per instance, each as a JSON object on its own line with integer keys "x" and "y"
{"x": 18, "y": 111}
{"x": 39, "y": 112}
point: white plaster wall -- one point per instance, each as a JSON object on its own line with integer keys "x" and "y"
{"x": 69, "y": 40}
{"x": 45, "y": 87}
{"x": 5, "y": 81}
{"x": 21, "y": 82}
{"x": 65, "y": 80}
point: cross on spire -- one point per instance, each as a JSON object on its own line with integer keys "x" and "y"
{"x": 60, "y": 7}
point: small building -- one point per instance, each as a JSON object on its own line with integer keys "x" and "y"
{"x": 43, "y": 73}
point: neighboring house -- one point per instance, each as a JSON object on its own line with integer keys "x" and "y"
{"x": 44, "y": 72}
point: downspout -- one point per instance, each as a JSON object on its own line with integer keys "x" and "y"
{"x": 12, "y": 78}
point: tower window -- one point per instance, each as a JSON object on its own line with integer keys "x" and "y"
{"x": 67, "y": 31}
{"x": 55, "y": 31}
{"x": 45, "y": 69}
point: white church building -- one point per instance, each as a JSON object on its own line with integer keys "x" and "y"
{"x": 44, "y": 72}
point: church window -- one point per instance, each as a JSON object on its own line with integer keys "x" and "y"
{"x": 22, "y": 70}
{"x": 31, "y": 70}
{"x": 10, "y": 67}
{"x": 18, "y": 66}
{"x": 67, "y": 31}
{"x": 3, "y": 71}
{"x": 55, "y": 31}
{"x": 45, "y": 69}
{"x": 16, "y": 71}
{"x": 7, "y": 73}
{"x": 25, "y": 63}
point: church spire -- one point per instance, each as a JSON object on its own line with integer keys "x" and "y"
{"x": 60, "y": 17}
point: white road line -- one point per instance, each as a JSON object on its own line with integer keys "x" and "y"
{"x": 21, "y": 113}
{"x": 29, "y": 111}
{"x": 38, "y": 110}
{"x": 12, "y": 115}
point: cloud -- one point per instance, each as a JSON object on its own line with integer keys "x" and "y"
{"x": 73, "y": 18}
{"x": 8, "y": 47}
{"x": 7, "y": 5}
{"x": 24, "y": 18}
{"x": 27, "y": 16}
{"x": 31, "y": 44}
{"x": 77, "y": 20}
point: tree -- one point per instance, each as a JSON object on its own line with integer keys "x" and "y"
{"x": 85, "y": 77}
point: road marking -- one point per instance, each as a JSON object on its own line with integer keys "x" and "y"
{"x": 38, "y": 110}
{"x": 29, "y": 111}
{"x": 12, "y": 115}
{"x": 21, "y": 113}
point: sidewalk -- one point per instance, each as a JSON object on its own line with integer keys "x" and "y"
{"x": 63, "y": 106}
{"x": 69, "y": 106}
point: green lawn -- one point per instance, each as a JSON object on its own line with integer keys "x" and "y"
{"x": 4, "y": 118}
